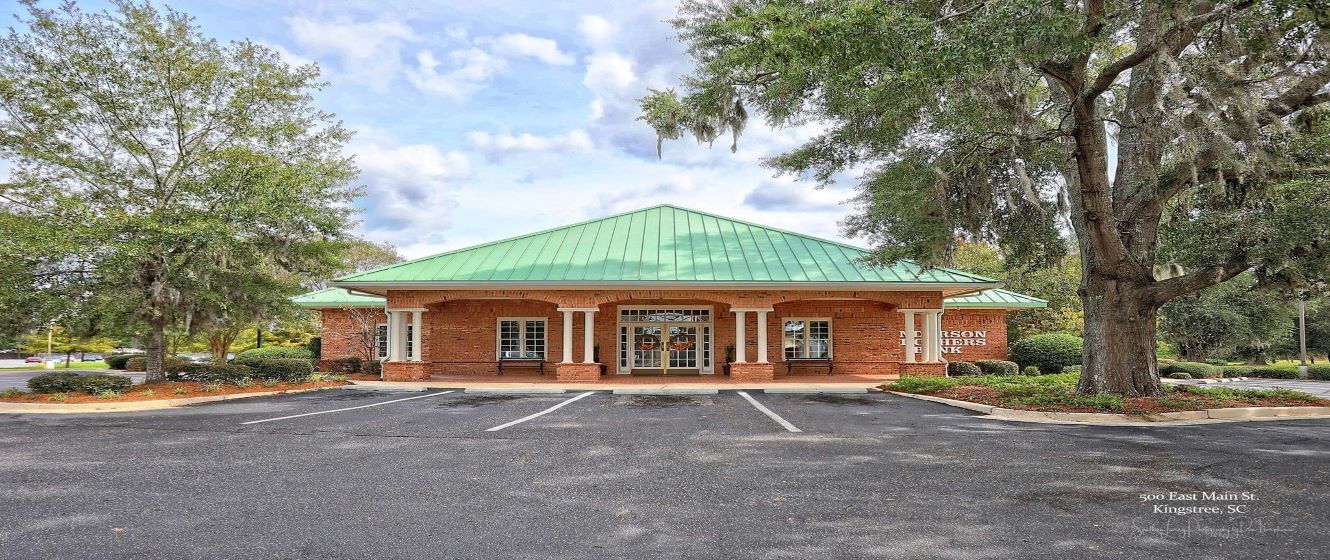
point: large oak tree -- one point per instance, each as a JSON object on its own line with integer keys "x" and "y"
{"x": 157, "y": 169}
{"x": 1183, "y": 141}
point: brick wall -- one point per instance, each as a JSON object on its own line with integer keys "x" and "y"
{"x": 341, "y": 331}
{"x": 461, "y": 335}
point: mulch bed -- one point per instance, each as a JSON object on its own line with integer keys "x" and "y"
{"x": 1176, "y": 401}
{"x": 171, "y": 390}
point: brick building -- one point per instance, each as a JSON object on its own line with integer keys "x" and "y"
{"x": 662, "y": 291}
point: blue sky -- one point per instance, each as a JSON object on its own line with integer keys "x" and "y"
{"x": 477, "y": 121}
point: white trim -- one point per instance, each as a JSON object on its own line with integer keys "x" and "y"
{"x": 417, "y": 344}
{"x": 521, "y": 335}
{"x": 910, "y": 328}
{"x": 740, "y": 337}
{"x": 588, "y": 342}
{"x": 762, "y": 336}
{"x": 620, "y": 324}
{"x": 831, "y": 335}
{"x": 405, "y": 309}
{"x": 582, "y": 309}
{"x": 386, "y": 342}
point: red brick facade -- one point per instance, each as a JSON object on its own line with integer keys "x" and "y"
{"x": 461, "y": 329}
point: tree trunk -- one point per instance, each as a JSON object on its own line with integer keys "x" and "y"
{"x": 1119, "y": 355}
{"x": 156, "y": 347}
{"x": 220, "y": 344}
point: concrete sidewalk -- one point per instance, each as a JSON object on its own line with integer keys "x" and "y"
{"x": 635, "y": 385}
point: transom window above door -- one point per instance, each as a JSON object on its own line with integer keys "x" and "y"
{"x": 684, "y": 315}
{"x": 807, "y": 339}
{"x": 522, "y": 338}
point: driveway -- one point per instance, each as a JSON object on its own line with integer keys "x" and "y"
{"x": 357, "y": 474}
{"x": 18, "y": 378}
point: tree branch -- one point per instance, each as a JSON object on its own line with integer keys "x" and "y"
{"x": 1164, "y": 290}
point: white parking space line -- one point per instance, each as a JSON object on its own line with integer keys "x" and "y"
{"x": 541, "y": 413}
{"x": 344, "y": 409}
{"x": 768, "y": 412}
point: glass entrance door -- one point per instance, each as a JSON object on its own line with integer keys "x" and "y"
{"x": 648, "y": 349}
{"x": 682, "y": 349}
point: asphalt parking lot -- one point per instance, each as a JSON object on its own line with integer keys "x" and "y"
{"x": 357, "y": 474}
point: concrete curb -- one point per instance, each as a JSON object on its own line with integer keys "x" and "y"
{"x": 384, "y": 389}
{"x": 1107, "y": 419}
{"x": 664, "y": 391}
{"x": 135, "y": 406}
{"x": 815, "y": 391}
{"x": 514, "y": 390}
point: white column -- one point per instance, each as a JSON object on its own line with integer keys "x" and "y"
{"x": 588, "y": 345}
{"x": 762, "y": 336}
{"x": 937, "y": 344}
{"x": 392, "y": 336}
{"x": 909, "y": 336}
{"x": 930, "y": 336}
{"x": 567, "y": 335}
{"x": 416, "y": 336}
{"x": 739, "y": 335}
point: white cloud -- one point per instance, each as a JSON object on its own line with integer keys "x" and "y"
{"x": 521, "y": 44}
{"x": 597, "y": 30}
{"x": 368, "y": 53}
{"x": 503, "y": 144}
{"x": 289, "y": 57}
{"x": 471, "y": 68}
{"x": 409, "y": 187}
{"x": 608, "y": 72}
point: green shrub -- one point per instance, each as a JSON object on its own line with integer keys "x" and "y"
{"x": 1178, "y": 375}
{"x": 1275, "y": 372}
{"x": 1030, "y": 370}
{"x": 1235, "y": 371}
{"x": 12, "y": 392}
{"x": 269, "y": 382}
{"x": 58, "y": 397}
{"x": 248, "y": 357}
{"x": 107, "y": 395}
{"x": 211, "y": 372}
{"x": 212, "y": 387}
{"x": 63, "y": 382}
{"x": 998, "y": 367}
{"x": 1318, "y": 372}
{"x": 170, "y": 364}
{"x": 963, "y": 369}
{"x": 1048, "y": 352}
{"x": 244, "y": 383}
{"x": 117, "y": 361}
{"x": 315, "y": 347}
{"x": 285, "y": 369}
{"x": 1195, "y": 370}
{"x": 344, "y": 365}
{"x": 179, "y": 391}
{"x": 373, "y": 367}
{"x": 98, "y": 384}
{"x": 910, "y": 384}
{"x": 148, "y": 392}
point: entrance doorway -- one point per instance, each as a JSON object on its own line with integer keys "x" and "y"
{"x": 656, "y": 341}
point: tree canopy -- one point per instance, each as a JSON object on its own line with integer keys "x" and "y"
{"x": 156, "y": 168}
{"x": 1181, "y": 142}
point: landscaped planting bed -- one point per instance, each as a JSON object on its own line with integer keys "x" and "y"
{"x": 1057, "y": 393}
{"x": 170, "y": 390}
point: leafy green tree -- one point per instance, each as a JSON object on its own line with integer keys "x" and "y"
{"x": 1180, "y": 140}
{"x": 1235, "y": 319}
{"x": 172, "y": 160}
{"x": 1056, "y": 283}
{"x": 61, "y": 341}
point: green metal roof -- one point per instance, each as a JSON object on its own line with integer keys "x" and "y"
{"x": 995, "y": 298}
{"x": 336, "y": 297}
{"x": 657, "y": 244}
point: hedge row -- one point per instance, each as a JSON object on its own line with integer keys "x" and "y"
{"x": 210, "y": 373}
{"x": 1194, "y": 370}
{"x": 983, "y": 367}
{"x": 66, "y": 382}
{"x": 117, "y": 361}
{"x": 249, "y": 357}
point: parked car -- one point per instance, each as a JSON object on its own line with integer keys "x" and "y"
{"x": 32, "y": 360}
{"x": 92, "y": 357}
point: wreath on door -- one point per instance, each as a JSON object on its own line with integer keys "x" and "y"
{"x": 681, "y": 341}
{"x": 648, "y": 342}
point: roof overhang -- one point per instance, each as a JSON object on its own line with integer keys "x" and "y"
{"x": 947, "y": 289}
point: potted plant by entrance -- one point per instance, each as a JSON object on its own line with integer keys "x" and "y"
{"x": 729, "y": 357}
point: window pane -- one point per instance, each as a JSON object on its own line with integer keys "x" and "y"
{"x": 510, "y": 339}
{"x": 535, "y": 339}
{"x": 795, "y": 340}
{"x": 819, "y": 339}
{"x": 381, "y": 340}
{"x": 410, "y": 332}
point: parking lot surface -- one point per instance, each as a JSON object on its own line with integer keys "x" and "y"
{"x": 360, "y": 474}
{"x": 1311, "y": 387}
